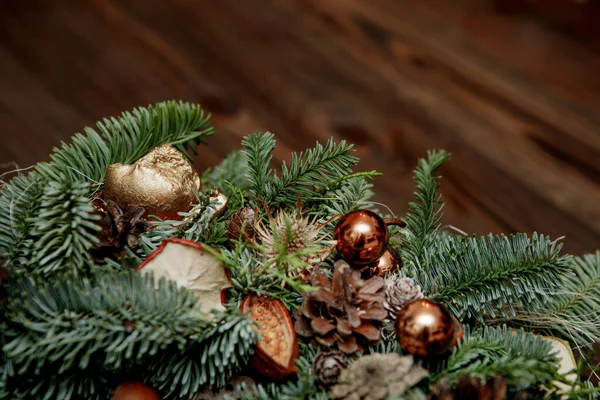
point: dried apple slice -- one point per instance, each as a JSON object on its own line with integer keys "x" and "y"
{"x": 188, "y": 264}
{"x": 277, "y": 349}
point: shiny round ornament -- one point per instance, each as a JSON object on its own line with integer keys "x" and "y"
{"x": 425, "y": 328}
{"x": 388, "y": 262}
{"x": 134, "y": 391}
{"x": 362, "y": 237}
{"x": 162, "y": 182}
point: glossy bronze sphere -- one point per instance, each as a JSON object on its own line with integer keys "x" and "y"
{"x": 425, "y": 328}
{"x": 134, "y": 391}
{"x": 362, "y": 237}
{"x": 389, "y": 262}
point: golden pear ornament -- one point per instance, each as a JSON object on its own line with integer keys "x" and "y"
{"x": 162, "y": 182}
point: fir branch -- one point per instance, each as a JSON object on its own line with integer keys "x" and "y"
{"x": 309, "y": 171}
{"x": 353, "y": 194}
{"x": 120, "y": 140}
{"x": 75, "y": 385}
{"x": 572, "y": 310}
{"x": 19, "y": 202}
{"x": 63, "y": 231}
{"x": 127, "y": 138}
{"x": 117, "y": 319}
{"x": 424, "y": 215}
{"x": 522, "y": 358}
{"x": 257, "y": 151}
{"x": 219, "y": 352}
{"x": 493, "y": 275}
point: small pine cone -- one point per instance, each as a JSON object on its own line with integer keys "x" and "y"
{"x": 328, "y": 366}
{"x": 400, "y": 293}
{"x": 377, "y": 377}
{"x": 120, "y": 228}
{"x": 246, "y": 217}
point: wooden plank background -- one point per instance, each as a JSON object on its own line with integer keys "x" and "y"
{"x": 514, "y": 99}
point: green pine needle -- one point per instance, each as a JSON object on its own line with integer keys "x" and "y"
{"x": 64, "y": 230}
{"x": 126, "y": 138}
{"x": 522, "y": 358}
{"x": 257, "y": 150}
{"x": 573, "y": 309}
{"x": 424, "y": 215}
{"x": 112, "y": 321}
{"x": 493, "y": 275}
{"x": 220, "y": 352}
{"x": 309, "y": 171}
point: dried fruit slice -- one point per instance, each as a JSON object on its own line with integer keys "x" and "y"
{"x": 191, "y": 266}
{"x": 277, "y": 349}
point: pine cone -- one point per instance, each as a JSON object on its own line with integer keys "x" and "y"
{"x": 120, "y": 228}
{"x": 470, "y": 388}
{"x": 246, "y": 217}
{"x": 346, "y": 312}
{"x": 378, "y": 376}
{"x": 400, "y": 293}
{"x": 328, "y": 366}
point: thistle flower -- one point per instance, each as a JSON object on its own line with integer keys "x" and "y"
{"x": 291, "y": 233}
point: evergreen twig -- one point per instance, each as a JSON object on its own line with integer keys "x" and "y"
{"x": 424, "y": 215}
{"x": 126, "y": 138}
{"x": 112, "y": 320}
{"x": 493, "y": 275}
{"x": 257, "y": 150}
{"x": 573, "y": 309}
{"x": 219, "y": 352}
{"x": 309, "y": 171}
{"x": 64, "y": 230}
{"x": 522, "y": 358}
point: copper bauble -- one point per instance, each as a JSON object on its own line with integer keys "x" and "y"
{"x": 162, "y": 182}
{"x": 134, "y": 391}
{"x": 362, "y": 237}
{"x": 425, "y": 328}
{"x": 387, "y": 263}
{"x": 459, "y": 333}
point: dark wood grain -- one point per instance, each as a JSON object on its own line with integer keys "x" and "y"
{"x": 514, "y": 99}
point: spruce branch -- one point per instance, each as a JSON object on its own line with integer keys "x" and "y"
{"x": 493, "y": 275}
{"x": 572, "y": 310}
{"x": 424, "y": 215}
{"x": 257, "y": 151}
{"x": 19, "y": 202}
{"x": 220, "y": 351}
{"x": 63, "y": 231}
{"x": 309, "y": 171}
{"x": 75, "y": 385}
{"x": 522, "y": 358}
{"x": 126, "y": 138}
{"x": 110, "y": 321}
{"x": 352, "y": 194}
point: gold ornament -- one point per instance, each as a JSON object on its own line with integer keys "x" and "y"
{"x": 162, "y": 182}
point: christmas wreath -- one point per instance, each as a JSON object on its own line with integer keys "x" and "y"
{"x": 127, "y": 275}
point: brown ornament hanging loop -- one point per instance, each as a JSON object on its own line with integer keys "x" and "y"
{"x": 393, "y": 221}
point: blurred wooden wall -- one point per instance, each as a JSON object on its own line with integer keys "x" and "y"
{"x": 512, "y": 95}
